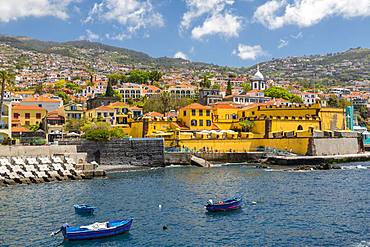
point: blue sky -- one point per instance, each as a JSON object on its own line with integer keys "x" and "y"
{"x": 224, "y": 32}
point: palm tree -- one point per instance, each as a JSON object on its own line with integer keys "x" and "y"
{"x": 7, "y": 80}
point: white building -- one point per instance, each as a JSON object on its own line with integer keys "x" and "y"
{"x": 131, "y": 91}
{"x": 258, "y": 81}
{"x": 309, "y": 98}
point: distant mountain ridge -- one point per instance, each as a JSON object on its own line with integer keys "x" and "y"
{"x": 340, "y": 67}
{"x": 115, "y": 54}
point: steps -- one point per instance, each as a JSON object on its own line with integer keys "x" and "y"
{"x": 196, "y": 161}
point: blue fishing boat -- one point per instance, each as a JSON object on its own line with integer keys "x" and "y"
{"x": 96, "y": 230}
{"x": 84, "y": 209}
{"x": 228, "y": 204}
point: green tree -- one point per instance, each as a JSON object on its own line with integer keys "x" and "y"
{"x": 138, "y": 76}
{"x": 39, "y": 89}
{"x": 229, "y": 88}
{"x": 246, "y": 87}
{"x": 101, "y": 132}
{"x": 63, "y": 96}
{"x": 109, "y": 91}
{"x": 278, "y": 92}
{"x": 117, "y": 94}
{"x": 6, "y": 79}
{"x": 72, "y": 86}
{"x": 336, "y": 102}
{"x": 247, "y": 125}
{"x": 155, "y": 76}
{"x": 205, "y": 82}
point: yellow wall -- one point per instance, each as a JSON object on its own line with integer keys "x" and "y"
{"x": 32, "y": 120}
{"x": 332, "y": 119}
{"x": 295, "y": 145}
{"x": 186, "y": 120}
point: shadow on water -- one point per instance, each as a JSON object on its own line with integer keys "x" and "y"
{"x": 99, "y": 242}
{"x": 224, "y": 214}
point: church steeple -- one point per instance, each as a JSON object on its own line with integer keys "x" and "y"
{"x": 258, "y": 80}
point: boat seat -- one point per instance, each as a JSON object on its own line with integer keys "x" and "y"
{"x": 96, "y": 226}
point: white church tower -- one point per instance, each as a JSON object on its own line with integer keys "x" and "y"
{"x": 258, "y": 81}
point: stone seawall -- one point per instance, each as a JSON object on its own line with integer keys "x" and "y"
{"x": 134, "y": 152}
{"x": 334, "y": 146}
{"x": 232, "y": 157}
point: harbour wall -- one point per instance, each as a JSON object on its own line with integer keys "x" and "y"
{"x": 299, "y": 145}
{"x": 334, "y": 146}
{"x": 134, "y": 151}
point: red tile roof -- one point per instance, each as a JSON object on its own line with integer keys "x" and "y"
{"x": 27, "y": 107}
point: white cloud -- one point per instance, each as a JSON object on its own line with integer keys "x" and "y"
{"x": 131, "y": 15}
{"x": 181, "y": 55}
{"x": 283, "y": 43}
{"x": 217, "y": 19}
{"x": 305, "y": 13}
{"x": 246, "y": 52}
{"x": 225, "y": 25}
{"x": 90, "y": 36}
{"x": 297, "y": 36}
{"x": 198, "y": 8}
{"x": 11, "y": 10}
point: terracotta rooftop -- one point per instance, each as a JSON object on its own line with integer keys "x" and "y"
{"x": 41, "y": 99}
{"x": 196, "y": 106}
{"x": 27, "y": 107}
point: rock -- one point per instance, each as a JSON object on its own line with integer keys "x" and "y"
{"x": 261, "y": 166}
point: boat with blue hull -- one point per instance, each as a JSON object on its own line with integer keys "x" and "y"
{"x": 224, "y": 205}
{"x": 84, "y": 209}
{"x": 96, "y": 230}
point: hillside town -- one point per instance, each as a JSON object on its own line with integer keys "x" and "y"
{"x": 51, "y": 97}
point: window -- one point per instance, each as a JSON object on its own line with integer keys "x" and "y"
{"x": 27, "y": 123}
{"x": 227, "y": 116}
{"x": 193, "y": 122}
{"x": 193, "y": 112}
{"x": 27, "y": 115}
{"x": 40, "y": 105}
{"x": 200, "y": 112}
{"x": 208, "y": 123}
{"x": 200, "y": 122}
{"x": 99, "y": 114}
{"x": 208, "y": 113}
{"x": 38, "y": 115}
{"x": 184, "y": 113}
{"x": 105, "y": 114}
{"x": 16, "y": 115}
{"x": 252, "y": 112}
{"x": 300, "y": 127}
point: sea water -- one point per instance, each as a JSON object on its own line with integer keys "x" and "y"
{"x": 281, "y": 208}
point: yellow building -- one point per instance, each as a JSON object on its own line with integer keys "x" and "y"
{"x": 225, "y": 115}
{"x": 5, "y": 122}
{"x": 196, "y": 117}
{"x": 74, "y": 111}
{"x": 102, "y": 114}
{"x": 27, "y": 115}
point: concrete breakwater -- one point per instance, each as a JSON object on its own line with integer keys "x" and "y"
{"x": 37, "y": 170}
{"x": 31, "y": 164}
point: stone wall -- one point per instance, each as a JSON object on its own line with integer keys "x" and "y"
{"x": 232, "y": 157}
{"x": 334, "y": 146}
{"x": 135, "y": 152}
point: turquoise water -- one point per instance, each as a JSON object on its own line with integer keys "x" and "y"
{"x": 320, "y": 208}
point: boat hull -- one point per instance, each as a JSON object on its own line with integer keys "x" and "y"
{"x": 84, "y": 209}
{"x": 95, "y": 234}
{"x": 224, "y": 207}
